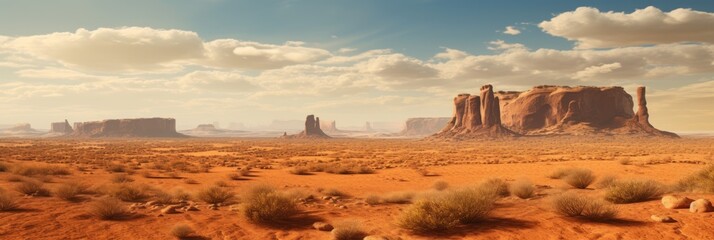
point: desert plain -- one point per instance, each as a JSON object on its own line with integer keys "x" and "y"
{"x": 364, "y": 185}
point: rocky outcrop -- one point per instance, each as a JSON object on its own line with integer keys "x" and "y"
{"x": 550, "y": 110}
{"x": 312, "y": 129}
{"x": 121, "y": 128}
{"x": 23, "y": 130}
{"x": 423, "y": 126}
{"x": 61, "y": 127}
{"x": 475, "y": 117}
{"x": 367, "y": 127}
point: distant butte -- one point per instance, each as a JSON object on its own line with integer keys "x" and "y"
{"x": 549, "y": 110}
{"x": 312, "y": 129}
{"x": 127, "y": 128}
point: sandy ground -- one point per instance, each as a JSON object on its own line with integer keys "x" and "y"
{"x": 396, "y": 163}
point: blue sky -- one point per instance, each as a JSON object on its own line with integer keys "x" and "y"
{"x": 351, "y": 61}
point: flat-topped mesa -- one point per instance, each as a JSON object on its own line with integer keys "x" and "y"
{"x": 121, "y": 128}
{"x": 424, "y": 126}
{"x": 312, "y": 129}
{"x": 329, "y": 126}
{"x": 61, "y": 127}
{"x": 475, "y": 117}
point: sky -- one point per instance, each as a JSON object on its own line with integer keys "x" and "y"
{"x": 252, "y": 62}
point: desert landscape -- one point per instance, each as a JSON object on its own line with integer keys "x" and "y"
{"x": 356, "y": 120}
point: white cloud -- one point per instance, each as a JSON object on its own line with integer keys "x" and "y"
{"x": 511, "y": 30}
{"x": 231, "y": 53}
{"x": 216, "y": 81}
{"x": 109, "y": 49}
{"x": 594, "y": 71}
{"x": 397, "y": 66}
{"x": 594, "y": 29}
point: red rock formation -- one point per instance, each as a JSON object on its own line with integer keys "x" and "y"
{"x": 475, "y": 117}
{"x": 329, "y": 126}
{"x": 424, "y": 126}
{"x": 140, "y": 127}
{"x": 61, "y": 127}
{"x": 312, "y": 129}
{"x": 641, "y": 120}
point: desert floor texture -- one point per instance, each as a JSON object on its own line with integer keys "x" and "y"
{"x": 363, "y": 170}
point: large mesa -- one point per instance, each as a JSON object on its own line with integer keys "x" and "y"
{"x": 312, "y": 129}
{"x": 121, "y": 128}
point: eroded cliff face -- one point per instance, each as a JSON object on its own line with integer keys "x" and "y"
{"x": 61, "y": 127}
{"x": 140, "y": 127}
{"x": 423, "y": 126}
{"x": 550, "y": 110}
{"x": 547, "y": 106}
{"x": 329, "y": 126}
{"x": 312, "y": 129}
{"x": 475, "y": 117}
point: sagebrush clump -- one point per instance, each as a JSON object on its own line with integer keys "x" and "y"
{"x": 572, "y": 205}
{"x": 264, "y": 204}
{"x": 629, "y": 191}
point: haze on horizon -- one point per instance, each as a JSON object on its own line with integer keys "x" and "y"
{"x": 252, "y": 62}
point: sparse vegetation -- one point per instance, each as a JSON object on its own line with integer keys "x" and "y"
{"x": 349, "y": 230}
{"x": 606, "y": 181}
{"x": 70, "y": 190}
{"x": 7, "y": 201}
{"x": 215, "y": 195}
{"x": 264, "y": 204}
{"x": 496, "y": 185}
{"x": 33, "y": 188}
{"x": 572, "y": 205}
{"x": 559, "y": 173}
{"x": 448, "y": 209}
{"x": 34, "y": 169}
{"x": 579, "y": 178}
{"x": 182, "y": 231}
{"x": 109, "y": 208}
{"x": 300, "y": 170}
{"x": 629, "y": 191}
{"x": 129, "y": 192}
{"x": 440, "y": 185}
{"x": 333, "y": 192}
{"x": 702, "y": 181}
{"x": 523, "y": 189}
{"x": 121, "y": 178}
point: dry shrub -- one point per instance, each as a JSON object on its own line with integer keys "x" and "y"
{"x": 579, "y": 178}
{"x": 496, "y": 185}
{"x": 116, "y": 168}
{"x": 263, "y": 204}
{"x": 348, "y": 230}
{"x": 182, "y": 231}
{"x": 629, "y": 191}
{"x": 129, "y": 192}
{"x": 606, "y": 181}
{"x": 180, "y": 195}
{"x": 401, "y": 197}
{"x": 189, "y": 181}
{"x": 215, "y": 195}
{"x": 373, "y": 199}
{"x": 523, "y": 189}
{"x": 625, "y": 161}
{"x": 440, "y": 185}
{"x": 702, "y": 181}
{"x": 572, "y": 205}
{"x": 121, "y": 178}
{"x": 333, "y": 192}
{"x": 33, "y": 169}
{"x": 7, "y": 201}
{"x": 349, "y": 168}
{"x": 235, "y": 176}
{"x": 448, "y": 209}
{"x": 163, "y": 197}
{"x": 559, "y": 173}
{"x": 109, "y": 209}
{"x": 300, "y": 170}
{"x": 70, "y": 190}
{"x": 33, "y": 188}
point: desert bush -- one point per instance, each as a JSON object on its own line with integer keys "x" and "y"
{"x": 182, "y": 231}
{"x": 300, "y": 170}
{"x": 333, "y": 192}
{"x": 163, "y": 197}
{"x": 606, "y": 181}
{"x": 33, "y": 188}
{"x": 496, "y": 185}
{"x": 572, "y": 205}
{"x": 32, "y": 169}
{"x": 7, "y": 201}
{"x": 109, "y": 209}
{"x": 348, "y": 230}
{"x": 121, "y": 178}
{"x": 221, "y": 184}
{"x": 215, "y": 195}
{"x": 523, "y": 189}
{"x": 398, "y": 197}
{"x": 129, "y": 192}
{"x": 116, "y": 168}
{"x": 373, "y": 199}
{"x": 625, "y": 161}
{"x": 629, "y": 191}
{"x": 440, "y": 185}
{"x": 180, "y": 195}
{"x": 263, "y": 204}
{"x": 235, "y": 176}
{"x": 701, "y": 181}
{"x": 559, "y": 173}
{"x": 580, "y": 178}
{"x": 448, "y": 209}
{"x": 190, "y": 181}
{"x": 70, "y": 190}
